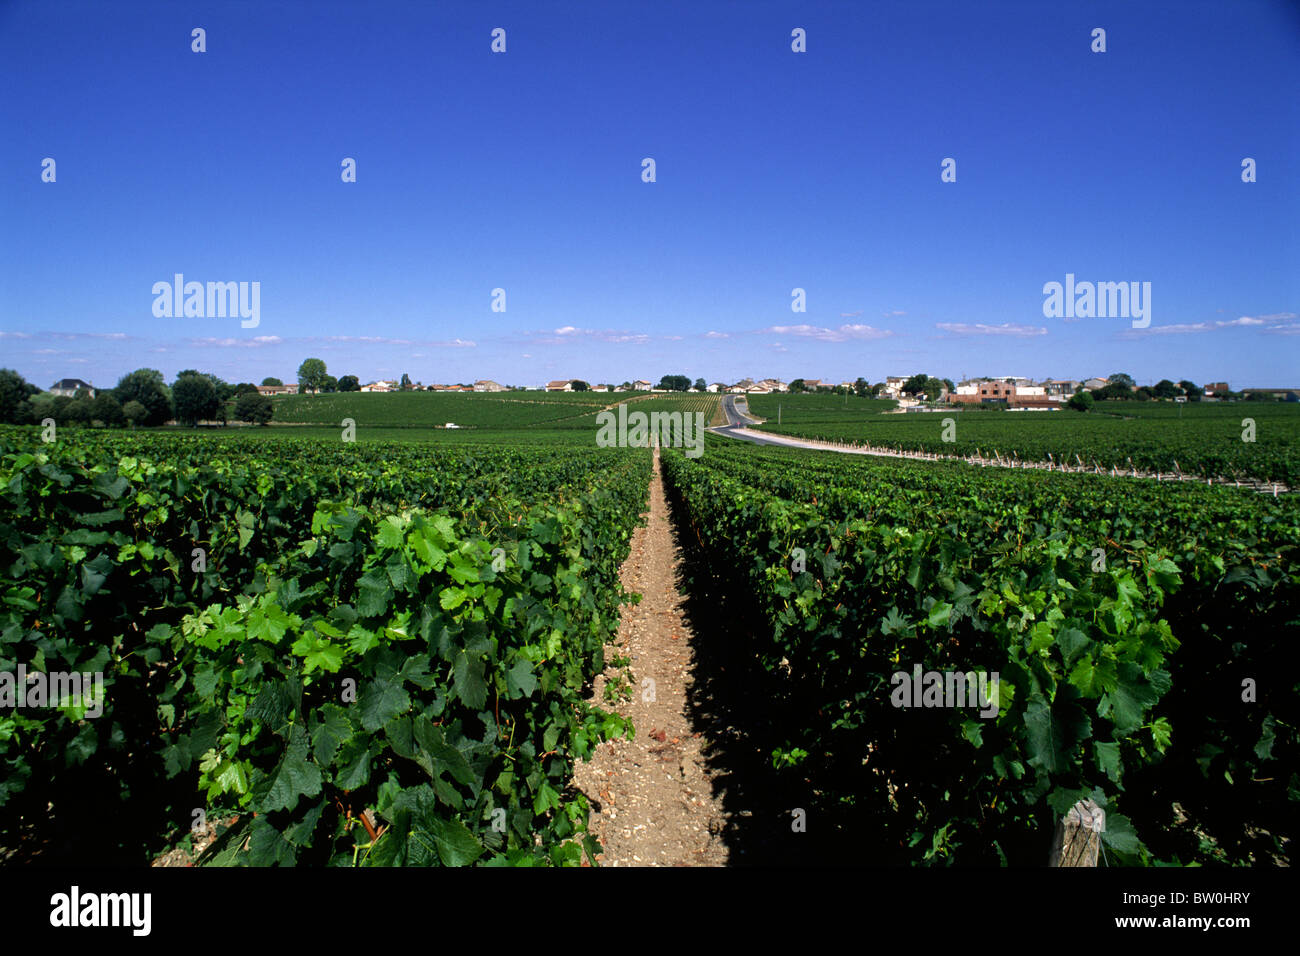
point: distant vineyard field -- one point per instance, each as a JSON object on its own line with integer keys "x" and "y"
{"x": 1249, "y": 440}
{"x": 511, "y": 411}
{"x": 433, "y": 409}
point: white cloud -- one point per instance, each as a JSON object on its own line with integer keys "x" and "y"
{"x": 367, "y": 339}
{"x": 1176, "y": 329}
{"x": 1245, "y": 321}
{"x": 253, "y": 343}
{"x": 69, "y": 336}
{"x": 569, "y": 333}
{"x": 844, "y": 333}
{"x": 979, "y": 328}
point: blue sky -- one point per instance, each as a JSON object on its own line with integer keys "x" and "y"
{"x": 774, "y": 170}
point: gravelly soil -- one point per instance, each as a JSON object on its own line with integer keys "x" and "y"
{"x": 652, "y": 797}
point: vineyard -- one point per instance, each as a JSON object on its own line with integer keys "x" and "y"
{"x": 383, "y": 652}
{"x": 483, "y": 413}
{"x": 1122, "y": 619}
{"x": 367, "y": 654}
{"x": 1208, "y": 440}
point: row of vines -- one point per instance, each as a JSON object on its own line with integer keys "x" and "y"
{"x": 366, "y": 654}
{"x": 1145, "y": 639}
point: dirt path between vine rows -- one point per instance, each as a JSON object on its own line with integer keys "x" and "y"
{"x": 652, "y": 797}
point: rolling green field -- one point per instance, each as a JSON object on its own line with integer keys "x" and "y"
{"x": 434, "y": 410}
{"x": 504, "y": 416}
{"x": 1199, "y": 438}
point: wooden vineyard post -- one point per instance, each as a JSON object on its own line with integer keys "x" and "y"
{"x": 1077, "y": 840}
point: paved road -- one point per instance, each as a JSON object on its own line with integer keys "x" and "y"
{"x": 737, "y": 425}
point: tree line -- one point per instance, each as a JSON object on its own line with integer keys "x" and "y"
{"x": 140, "y": 398}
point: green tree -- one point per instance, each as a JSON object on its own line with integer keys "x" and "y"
{"x": 271, "y": 381}
{"x": 1115, "y": 391}
{"x": 77, "y": 411}
{"x": 701, "y": 385}
{"x": 1189, "y": 387}
{"x": 1122, "y": 378}
{"x": 24, "y": 413}
{"x": 311, "y": 374}
{"x": 674, "y": 383}
{"x": 916, "y": 384}
{"x": 195, "y": 398}
{"x": 135, "y": 413}
{"x": 329, "y": 384}
{"x": 105, "y": 408}
{"x": 146, "y": 386}
{"x": 254, "y": 407}
{"x": 798, "y": 385}
{"x": 243, "y": 387}
{"x": 1164, "y": 389}
{"x": 43, "y": 406}
{"x": 1080, "y": 401}
{"x": 349, "y": 383}
{"x": 579, "y": 385}
{"x": 14, "y": 390}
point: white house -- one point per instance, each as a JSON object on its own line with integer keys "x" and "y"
{"x": 1061, "y": 388}
{"x": 380, "y": 386}
{"x": 640, "y": 385}
{"x": 69, "y": 386}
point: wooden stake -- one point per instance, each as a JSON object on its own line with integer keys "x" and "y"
{"x": 1077, "y": 841}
